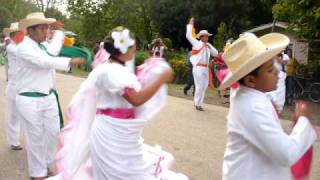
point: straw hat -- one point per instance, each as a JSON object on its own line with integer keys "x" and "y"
{"x": 13, "y": 28}
{"x": 35, "y": 19}
{"x": 249, "y": 52}
{"x": 202, "y": 33}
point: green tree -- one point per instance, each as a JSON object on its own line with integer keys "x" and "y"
{"x": 303, "y": 16}
{"x": 98, "y": 18}
{"x": 55, "y": 13}
{"x": 221, "y": 36}
{"x": 14, "y": 10}
{"x": 238, "y": 15}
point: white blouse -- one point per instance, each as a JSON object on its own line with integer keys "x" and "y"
{"x": 111, "y": 81}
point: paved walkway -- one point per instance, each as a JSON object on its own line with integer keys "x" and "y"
{"x": 196, "y": 139}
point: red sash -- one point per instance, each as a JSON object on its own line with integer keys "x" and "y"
{"x": 197, "y": 51}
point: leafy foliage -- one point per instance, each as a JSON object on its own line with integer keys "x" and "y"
{"x": 303, "y": 16}
{"x": 221, "y": 37}
{"x": 13, "y": 11}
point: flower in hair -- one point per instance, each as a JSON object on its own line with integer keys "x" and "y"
{"x": 122, "y": 40}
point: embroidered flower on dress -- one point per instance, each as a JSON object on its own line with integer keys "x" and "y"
{"x": 122, "y": 40}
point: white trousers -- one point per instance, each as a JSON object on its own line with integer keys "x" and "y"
{"x": 40, "y": 119}
{"x": 12, "y": 118}
{"x": 201, "y": 81}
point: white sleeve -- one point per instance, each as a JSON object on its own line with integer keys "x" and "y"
{"x": 117, "y": 80}
{"x": 43, "y": 60}
{"x": 264, "y": 132}
{"x": 54, "y": 46}
{"x": 213, "y": 51}
{"x": 194, "y": 42}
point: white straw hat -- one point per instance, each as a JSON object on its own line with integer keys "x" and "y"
{"x": 13, "y": 28}
{"x": 249, "y": 52}
{"x": 203, "y": 33}
{"x": 35, "y": 19}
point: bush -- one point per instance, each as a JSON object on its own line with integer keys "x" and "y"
{"x": 177, "y": 61}
{"x": 170, "y": 55}
{"x": 167, "y": 42}
{"x": 180, "y": 69}
{"x": 140, "y": 57}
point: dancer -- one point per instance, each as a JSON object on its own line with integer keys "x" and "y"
{"x": 36, "y": 102}
{"x": 12, "y": 118}
{"x": 107, "y": 116}
{"x": 201, "y": 52}
{"x": 257, "y": 146}
{"x": 190, "y": 81}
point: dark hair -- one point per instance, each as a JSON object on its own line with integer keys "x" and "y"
{"x": 255, "y": 72}
{"x": 109, "y": 47}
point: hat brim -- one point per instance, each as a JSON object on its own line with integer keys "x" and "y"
{"x": 25, "y": 23}
{"x": 199, "y": 35}
{"x": 7, "y": 31}
{"x": 273, "y": 49}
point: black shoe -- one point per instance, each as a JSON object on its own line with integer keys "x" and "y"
{"x": 199, "y": 108}
{"x": 16, "y": 148}
{"x": 185, "y": 92}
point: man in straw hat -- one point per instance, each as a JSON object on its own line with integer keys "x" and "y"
{"x": 257, "y": 147}
{"x": 12, "y": 119}
{"x": 36, "y": 102}
{"x": 201, "y": 52}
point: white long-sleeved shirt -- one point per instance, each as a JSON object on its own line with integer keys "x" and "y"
{"x": 53, "y": 47}
{"x": 205, "y": 52}
{"x": 34, "y": 67}
{"x": 11, "y": 56}
{"x": 257, "y": 147}
{"x": 55, "y": 44}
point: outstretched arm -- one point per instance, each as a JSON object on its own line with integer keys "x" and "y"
{"x": 213, "y": 50}
{"x": 137, "y": 98}
{"x": 194, "y": 42}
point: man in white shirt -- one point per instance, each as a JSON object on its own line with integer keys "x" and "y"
{"x": 12, "y": 118}
{"x": 202, "y": 50}
{"x": 36, "y": 102}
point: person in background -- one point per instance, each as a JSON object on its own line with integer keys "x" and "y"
{"x": 190, "y": 81}
{"x": 2, "y": 49}
{"x": 158, "y": 47}
{"x": 202, "y": 50}
{"x": 291, "y": 71}
{"x": 12, "y": 118}
{"x": 96, "y": 48}
{"x": 278, "y": 96}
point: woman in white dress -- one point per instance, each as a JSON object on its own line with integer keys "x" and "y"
{"x": 116, "y": 104}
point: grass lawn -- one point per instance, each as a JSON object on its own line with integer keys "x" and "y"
{"x": 212, "y": 97}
